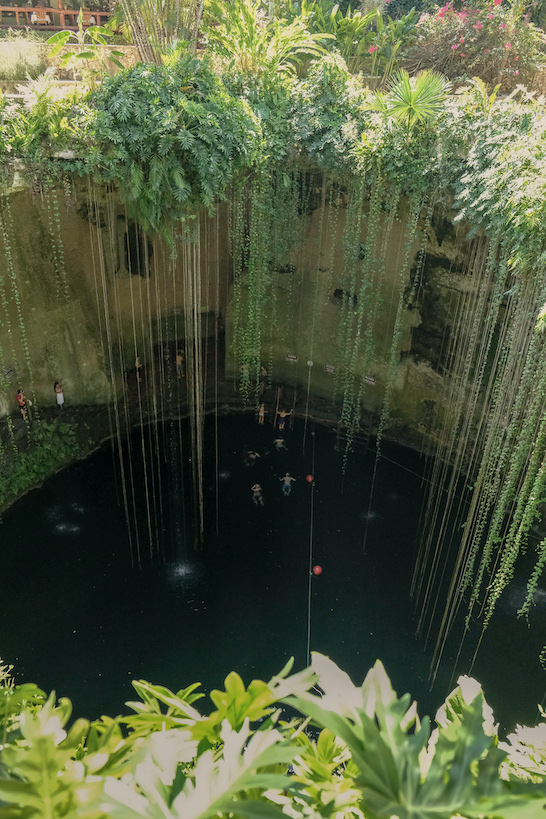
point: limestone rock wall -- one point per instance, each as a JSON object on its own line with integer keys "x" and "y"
{"x": 305, "y": 324}
{"x": 84, "y": 292}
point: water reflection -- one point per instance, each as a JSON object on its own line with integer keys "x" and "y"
{"x": 183, "y": 574}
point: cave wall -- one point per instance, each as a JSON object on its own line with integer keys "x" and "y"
{"x": 308, "y": 311}
{"x": 85, "y": 289}
{"x": 76, "y": 298}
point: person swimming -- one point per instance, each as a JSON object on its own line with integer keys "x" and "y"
{"x": 257, "y": 496}
{"x": 287, "y": 483}
{"x": 279, "y": 444}
{"x": 251, "y": 457}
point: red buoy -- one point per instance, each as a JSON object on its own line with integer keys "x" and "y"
{"x": 317, "y": 570}
{"x": 309, "y": 479}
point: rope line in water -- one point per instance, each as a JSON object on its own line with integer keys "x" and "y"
{"x": 311, "y": 519}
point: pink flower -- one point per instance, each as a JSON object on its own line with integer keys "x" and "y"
{"x": 372, "y": 49}
{"x": 455, "y": 46}
{"x": 461, "y": 40}
{"x": 497, "y": 2}
{"x": 461, "y": 53}
{"x": 503, "y": 25}
{"x": 507, "y": 45}
{"x": 516, "y": 71}
{"x": 486, "y": 51}
{"x": 490, "y": 16}
{"x": 516, "y": 58}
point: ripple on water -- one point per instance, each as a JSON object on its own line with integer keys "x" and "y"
{"x": 183, "y": 574}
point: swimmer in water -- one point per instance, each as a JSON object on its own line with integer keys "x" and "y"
{"x": 251, "y": 457}
{"x": 279, "y": 444}
{"x": 257, "y": 496}
{"x": 287, "y": 483}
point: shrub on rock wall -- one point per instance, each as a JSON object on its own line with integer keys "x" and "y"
{"x": 174, "y": 137}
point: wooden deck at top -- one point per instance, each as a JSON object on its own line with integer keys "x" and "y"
{"x": 48, "y": 19}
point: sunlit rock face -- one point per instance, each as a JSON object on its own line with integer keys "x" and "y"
{"x": 87, "y": 291}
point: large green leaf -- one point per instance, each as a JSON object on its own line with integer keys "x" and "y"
{"x": 387, "y": 743}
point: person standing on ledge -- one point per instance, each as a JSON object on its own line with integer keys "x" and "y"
{"x": 22, "y": 403}
{"x": 179, "y": 364}
{"x": 283, "y": 414}
{"x": 261, "y": 414}
{"x": 60, "y": 394}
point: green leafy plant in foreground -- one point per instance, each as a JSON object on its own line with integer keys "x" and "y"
{"x": 361, "y": 753}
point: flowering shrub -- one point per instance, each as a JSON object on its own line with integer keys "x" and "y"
{"x": 482, "y": 39}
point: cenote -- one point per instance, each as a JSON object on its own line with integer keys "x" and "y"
{"x": 85, "y": 619}
{"x": 273, "y": 382}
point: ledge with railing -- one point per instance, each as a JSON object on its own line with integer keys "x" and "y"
{"x": 49, "y": 19}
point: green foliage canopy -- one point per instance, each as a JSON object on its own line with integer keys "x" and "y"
{"x": 361, "y": 753}
{"x": 175, "y": 138}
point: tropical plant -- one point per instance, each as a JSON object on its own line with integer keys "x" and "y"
{"x": 156, "y": 26}
{"x": 13, "y": 698}
{"x": 89, "y": 41}
{"x": 365, "y": 41}
{"x": 175, "y": 137}
{"x": 412, "y": 101}
{"x": 369, "y": 755}
{"x": 354, "y": 32}
{"x": 392, "y": 38}
{"x": 46, "y": 120}
{"x": 53, "y": 446}
{"x": 484, "y": 99}
{"x": 254, "y": 46}
{"x": 326, "y": 113}
{"x": 21, "y": 58}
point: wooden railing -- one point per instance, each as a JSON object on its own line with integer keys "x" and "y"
{"x": 48, "y": 18}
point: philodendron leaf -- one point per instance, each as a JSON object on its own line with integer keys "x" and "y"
{"x": 241, "y": 766}
{"x": 258, "y": 810}
{"x": 387, "y": 742}
{"x": 210, "y": 786}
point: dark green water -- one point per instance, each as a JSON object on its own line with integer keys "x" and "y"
{"x": 79, "y": 619}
